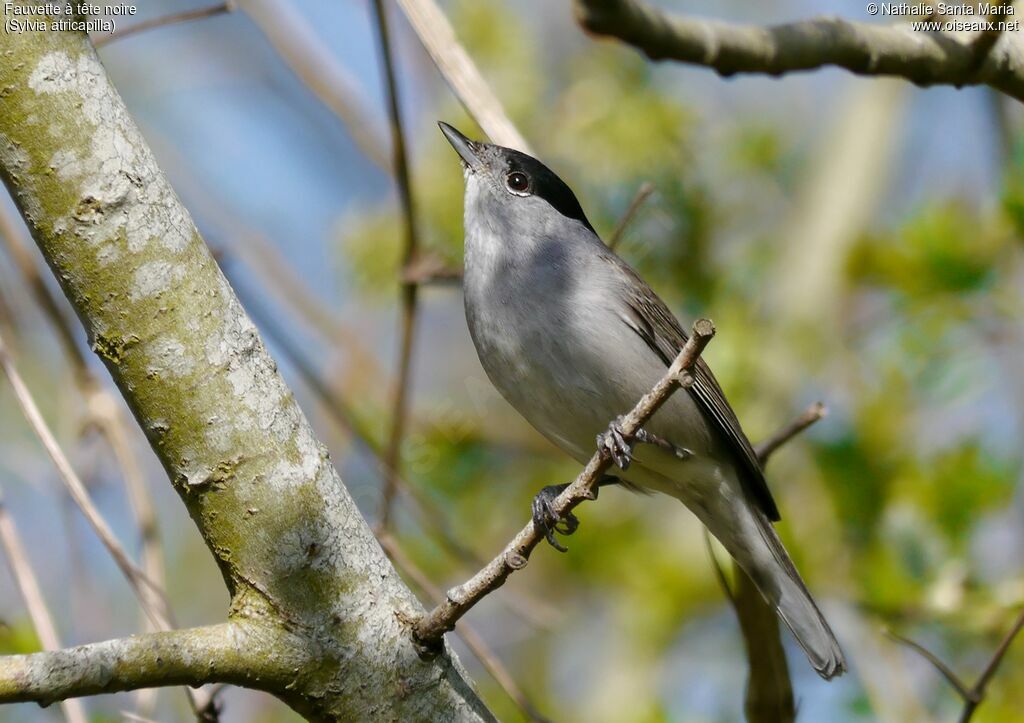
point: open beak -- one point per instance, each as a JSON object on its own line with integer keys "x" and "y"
{"x": 466, "y": 148}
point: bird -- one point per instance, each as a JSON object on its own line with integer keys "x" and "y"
{"x": 571, "y": 336}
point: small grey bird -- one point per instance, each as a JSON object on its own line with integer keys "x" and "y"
{"x": 572, "y": 337}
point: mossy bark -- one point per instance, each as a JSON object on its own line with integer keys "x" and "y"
{"x": 293, "y": 549}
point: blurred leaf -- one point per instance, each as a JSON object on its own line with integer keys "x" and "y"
{"x": 18, "y": 637}
{"x": 943, "y": 249}
{"x": 1013, "y": 192}
{"x": 961, "y": 484}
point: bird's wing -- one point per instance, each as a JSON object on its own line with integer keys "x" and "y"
{"x": 648, "y": 316}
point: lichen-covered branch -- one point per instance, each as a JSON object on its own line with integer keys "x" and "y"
{"x": 430, "y": 628}
{"x": 190, "y": 657}
{"x": 294, "y": 552}
{"x": 922, "y": 57}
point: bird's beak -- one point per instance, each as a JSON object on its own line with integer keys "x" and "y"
{"x": 466, "y": 148}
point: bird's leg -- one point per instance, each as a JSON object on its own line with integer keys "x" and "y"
{"x": 645, "y": 437}
{"x": 615, "y": 443}
{"x": 544, "y": 517}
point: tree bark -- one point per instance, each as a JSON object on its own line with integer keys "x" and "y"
{"x": 317, "y": 611}
{"x": 924, "y": 57}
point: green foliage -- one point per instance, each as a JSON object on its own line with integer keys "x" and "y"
{"x": 877, "y": 510}
{"x": 945, "y": 249}
{"x": 759, "y": 148}
{"x": 961, "y": 484}
{"x": 17, "y": 637}
{"x": 1013, "y": 193}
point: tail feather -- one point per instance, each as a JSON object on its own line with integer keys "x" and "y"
{"x": 781, "y": 585}
{"x": 749, "y": 537}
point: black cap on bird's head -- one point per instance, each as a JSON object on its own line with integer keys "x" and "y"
{"x": 516, "y": 173}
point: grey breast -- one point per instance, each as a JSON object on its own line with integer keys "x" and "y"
{"x": 544, "y": 320}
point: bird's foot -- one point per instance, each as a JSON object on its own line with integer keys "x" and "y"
{"x": 614, "y": 443}
{"x": 619, "y": 446}
{"x": 545, "y": 518}
{"x": 645, "y": 437}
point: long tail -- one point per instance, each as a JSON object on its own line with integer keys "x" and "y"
{"x": 759, "y": 551}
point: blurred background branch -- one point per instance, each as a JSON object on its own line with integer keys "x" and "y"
{"x": 409, "y": 291}
{"x": 32, "y": 595}
{"x": 164, "y": 20}
{"x": 973, "y": 695}
{"x": 922, "y": 57}
{"x": 461, "y": 73}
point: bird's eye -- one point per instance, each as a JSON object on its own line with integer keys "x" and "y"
{"x": 517, "y": 182}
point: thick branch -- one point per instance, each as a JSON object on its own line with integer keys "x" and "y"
{"x": 430, "y": 628}
{"x": 193, "y": 657}
{"x": 290, "y": 543}
{"x": 924, "y": 58}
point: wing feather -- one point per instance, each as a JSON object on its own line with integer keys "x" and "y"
{"x": 651, "y": 319}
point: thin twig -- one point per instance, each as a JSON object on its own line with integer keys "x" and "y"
{"x": 429, "y": 269}
{"x": 642, "y": 194}
{"x": 163, "y": 20}
{"x": 104, "y": 413}
{"x": 103, "y": 410}
{"x": 14, "y": 234}
{"x": 952, "y": 678}
{"x": 1005, "y": 135}
{"x": 7, "y": 322}
{"x": 974, "y": 695}
{"x": 151, "y": 596}
{"x": 137, "y": 579}
{"x": 430, "y": 628}
{"x": 35, "y": 603}
{"x": 978, "y": 691}
{"x": 473, "y": 640}
{"x": 461, "y": 74}
{"x": 410, "y": 245}
{"x": 317, "y": 66}
{"x": 769, "y": 691}
{"x": 812, "y": 414}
